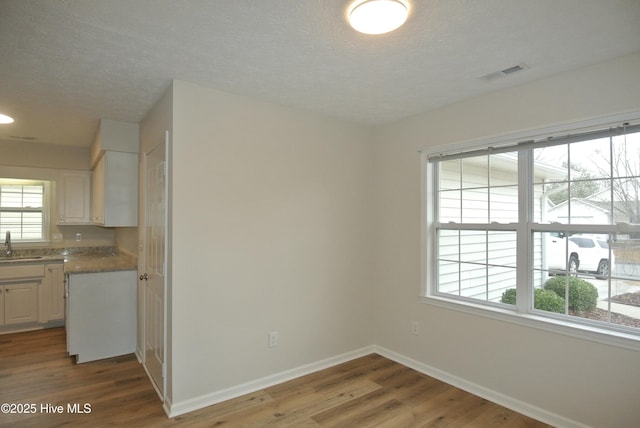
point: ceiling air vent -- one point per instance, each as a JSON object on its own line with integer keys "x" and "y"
{"x": 503, "y": 73}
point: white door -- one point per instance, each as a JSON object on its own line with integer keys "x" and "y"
{"x": 154, "y": 250}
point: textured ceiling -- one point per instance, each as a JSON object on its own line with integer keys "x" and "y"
{"x": 66, "y": 63}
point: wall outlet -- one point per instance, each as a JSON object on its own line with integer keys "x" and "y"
{"x": 273, "y": 339}
{"x": 78, "y": 237}
{"x": 415, "y": 327}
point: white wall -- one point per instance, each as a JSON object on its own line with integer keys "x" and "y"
{"x": 42, "y": 155}
{"x": 271, "y": 231}
{"x": 583, "y": 381}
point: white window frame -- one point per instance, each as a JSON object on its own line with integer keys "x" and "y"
{"x": 46, "y": 196}
{"x": 522, "y": 314}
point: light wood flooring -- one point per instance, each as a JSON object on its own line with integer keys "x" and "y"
{"x": 367, "y": 392}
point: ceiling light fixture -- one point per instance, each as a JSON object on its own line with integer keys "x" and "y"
{"x": 4, "y": 119}
{"x": 378, "y": 16}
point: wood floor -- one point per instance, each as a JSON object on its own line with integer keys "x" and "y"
{"x": 367, "y": 392}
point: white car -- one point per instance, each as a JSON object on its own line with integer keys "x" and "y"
{"x": 585, "y": 254}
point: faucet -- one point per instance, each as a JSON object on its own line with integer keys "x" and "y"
{"x": 7, "y": 242}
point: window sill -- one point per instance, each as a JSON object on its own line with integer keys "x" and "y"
{"x": 587, "y": 332}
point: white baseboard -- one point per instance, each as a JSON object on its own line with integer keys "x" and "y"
{"x": 479, "y": 390}
{"x": 175, "y": 409}
{"x": 179, "y": 408}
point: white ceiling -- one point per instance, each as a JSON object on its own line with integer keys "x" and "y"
{"x": 64, "y": 64}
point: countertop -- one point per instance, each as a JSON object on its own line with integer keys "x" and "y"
{"x": 92, "y": 263}
{"x": 77, "y": 260}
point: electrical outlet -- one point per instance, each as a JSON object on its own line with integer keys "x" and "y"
{"x": 415, "y": 327}
{"x": 78, "y": 237}
{"x": 273, "y": 339}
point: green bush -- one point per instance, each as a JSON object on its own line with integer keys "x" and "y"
{"x": 545, "y": 300}
{"x": 509, "y": 296}
{"x": 583, "y": 296}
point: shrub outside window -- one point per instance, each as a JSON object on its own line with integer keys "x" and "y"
{"x": 548, "y": 227}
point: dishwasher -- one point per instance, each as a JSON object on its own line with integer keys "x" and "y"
{"x": 101, "y": 319}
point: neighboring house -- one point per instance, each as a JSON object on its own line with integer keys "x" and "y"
{"x": 583, "y": 211}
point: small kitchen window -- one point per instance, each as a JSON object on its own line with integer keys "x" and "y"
{"x": 23, "y": 205}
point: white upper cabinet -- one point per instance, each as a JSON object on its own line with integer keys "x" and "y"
{"x": 114, "y": 187}
{"x": 73, "y": 198}
{"x": 115, "y": 190}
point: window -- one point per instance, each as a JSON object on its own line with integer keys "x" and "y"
{"x": 22, "y": 209}
{"x": 548, "y": 229}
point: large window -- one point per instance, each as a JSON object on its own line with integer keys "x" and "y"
{"x": 549, "y": 228}
{"x": 22, "y": 209}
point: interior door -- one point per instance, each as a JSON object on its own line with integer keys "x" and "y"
{"x": 154, "y": 253}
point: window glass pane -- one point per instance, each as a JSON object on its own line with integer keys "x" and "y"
{"x": 450, "y": 206}
{"x": 32, "y": 196}
{"x": 550, "y": 165}
{"x": 590, "y": 203}
{"x": 504, "y": 169}
{"x": 11, "y": 197}
{"x": 503, "y": 202}
{"x": 501, "y": 279}
{"x": 475, "y": 206}
{"x": 450, "y": 174}
{"x": 590, "y": 159}
{"x": 449, "y": 245}
{"x": 475, "y": 172}
{"x": 502, "y": 247}
{"x": 449, "y": 277}
{"x": 473, "y": 280}
{"x": 626, "y": 200}
{"x": 473, "y": 246}
{"x": 626, "y": 174}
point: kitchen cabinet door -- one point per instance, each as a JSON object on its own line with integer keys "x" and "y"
{"x": 1, "y": 305}
{"x": 21, "y": 302}
{"x": 53, "y": 303}
{"x": 115, "y": 190}
{"x": 73, "y": 190}
{"x": 97, "y": 193}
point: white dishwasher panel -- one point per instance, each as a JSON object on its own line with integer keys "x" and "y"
{"x": 101, "y": 315}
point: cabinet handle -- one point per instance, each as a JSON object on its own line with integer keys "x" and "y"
{"x": 144, "y": 277}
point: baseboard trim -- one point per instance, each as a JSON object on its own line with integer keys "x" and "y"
{"x": 179, "y": 408}
{"x": 488, "y": 394}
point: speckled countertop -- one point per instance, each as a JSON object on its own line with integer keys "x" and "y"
{"x": 77, "y": 260}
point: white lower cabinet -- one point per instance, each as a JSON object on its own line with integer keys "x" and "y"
{"x": 31, "y": 296}
{"x": 101, "y": 317}
{"x": 52, "y": 297}
{"x": 20, "y": 302}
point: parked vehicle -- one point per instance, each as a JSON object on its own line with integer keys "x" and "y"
{"x": 584, "y": 254}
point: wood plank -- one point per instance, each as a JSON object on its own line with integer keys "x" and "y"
{"x": 365, "y": 392}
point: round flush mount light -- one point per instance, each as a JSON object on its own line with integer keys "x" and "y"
{"x": 377, "y": 16}
{"x": 4, "y": 119}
